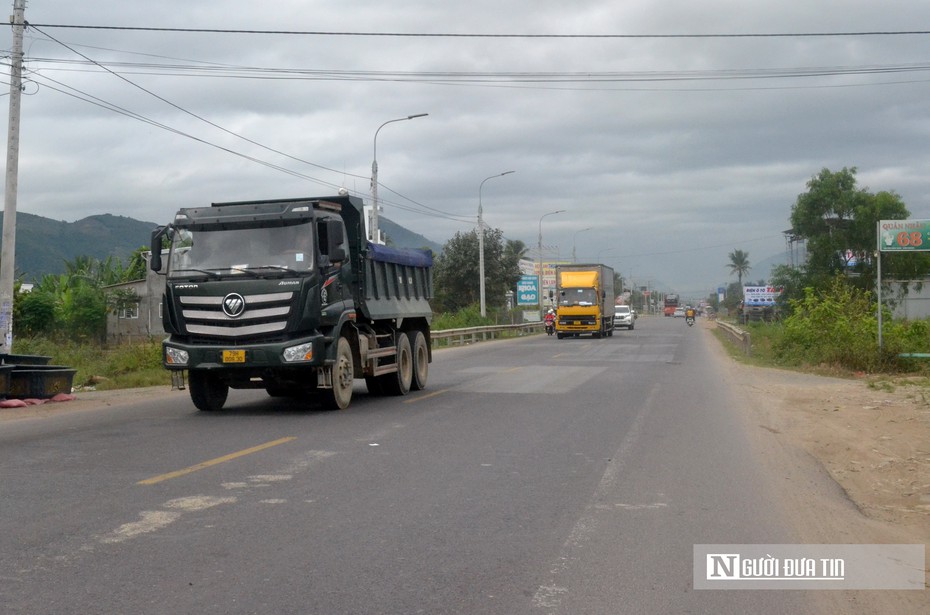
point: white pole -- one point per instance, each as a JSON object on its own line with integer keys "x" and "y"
{"x": 878, "y": 290}
{"x": 375, "y": 237}
{"x": 481, "y": 242}
{"x": 8, "y": 251}
{"x": 540, "y": 247}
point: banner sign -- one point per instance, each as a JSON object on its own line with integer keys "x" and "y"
{"x": 904, "y": 235}
{"x": 760, "y": 295}
{"x": 528, "y": 290}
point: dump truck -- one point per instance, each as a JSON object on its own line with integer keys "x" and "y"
{"x": 290, "y": 296}
{"x": 585, "y": 300}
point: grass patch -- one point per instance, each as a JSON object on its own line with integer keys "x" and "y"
{"x": 129, "y": 366}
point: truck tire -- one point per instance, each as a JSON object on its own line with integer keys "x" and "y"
{"x": 398, "y": 383}
{"x": 340, "y": 395}
{"x": 208, "y": 392}
{"x": 420, "y": 360}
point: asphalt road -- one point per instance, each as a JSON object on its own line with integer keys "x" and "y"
{"x": 532, "y": 476}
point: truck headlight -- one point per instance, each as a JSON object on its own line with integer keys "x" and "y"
{"x": 304, "y": 352}
{"x": 176, "y": 356}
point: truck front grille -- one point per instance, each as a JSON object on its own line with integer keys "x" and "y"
{"x": 263, "y": 314}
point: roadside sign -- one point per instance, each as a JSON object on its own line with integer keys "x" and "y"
{"x": 528, "y": 290}
{"x": 904, "y": 235}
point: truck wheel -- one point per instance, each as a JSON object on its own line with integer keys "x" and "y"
{"x": 398, "y": 383}
{"x": 208, "y": 392}
{"x": 420, "y": 360}
{"x": 339, "y": 397}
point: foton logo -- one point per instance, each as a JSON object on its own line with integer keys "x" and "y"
{"x": 233, "y": 305}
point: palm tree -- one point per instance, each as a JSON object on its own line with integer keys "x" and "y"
{"x": 739, "y": 264}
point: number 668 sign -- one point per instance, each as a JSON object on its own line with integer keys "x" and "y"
{"x": 903, "y": 235}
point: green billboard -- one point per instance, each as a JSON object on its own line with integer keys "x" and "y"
{"x": 903, "y": 235}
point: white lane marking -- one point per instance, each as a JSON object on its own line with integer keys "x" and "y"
{"x": 550, "y": 595}
{"x": 195, "y": 503}
{"x": 151, "y": 521}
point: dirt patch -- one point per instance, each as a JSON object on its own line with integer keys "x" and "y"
{"x": 872, "y": 435}
{"x": 849, "y": 460}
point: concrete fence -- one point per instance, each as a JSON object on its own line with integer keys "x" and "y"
{"x": 739, "y": 336}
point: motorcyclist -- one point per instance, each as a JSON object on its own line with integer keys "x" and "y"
{"x": 550, "y": 320}
{"x": 689, "y": 312}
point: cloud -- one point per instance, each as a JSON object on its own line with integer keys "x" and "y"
{"x": 675, "y": 151}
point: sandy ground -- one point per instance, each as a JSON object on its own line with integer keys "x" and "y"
{"x": 849, "y": 460}
{"x": 872, "y": 435}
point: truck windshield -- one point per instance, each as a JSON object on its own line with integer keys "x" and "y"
{"x": 241, "y": 251}
{"x": 578, "y": 296}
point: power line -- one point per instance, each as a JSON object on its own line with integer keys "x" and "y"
{"x": 182, "y": 109}
{"x": 112, "y": 107}
{"x": 492, "y": 35}
{"x": 481, "y": 77}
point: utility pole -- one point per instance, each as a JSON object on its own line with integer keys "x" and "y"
{"x": 8, "y": 250}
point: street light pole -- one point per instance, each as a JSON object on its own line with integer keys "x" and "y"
{"x": 481, "y": 240}
{"x": 574, "y": 259}
{"x": 558, "y": 211}
{"x": 374, "y": 176}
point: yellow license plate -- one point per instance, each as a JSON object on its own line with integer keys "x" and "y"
{"x": 233, "y": 356}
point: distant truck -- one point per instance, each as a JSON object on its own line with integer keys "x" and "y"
{"x": 289, "y": 296}
{"x": 585, "y": 300}
{"x": 671, "y": 304}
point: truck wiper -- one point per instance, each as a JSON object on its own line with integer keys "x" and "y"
{"x": 212, "y": 274}
{"x": 256, "y": 270}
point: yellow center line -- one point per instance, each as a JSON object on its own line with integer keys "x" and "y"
{"x": 427, "y": 396}
{"x": 213, "y": 462}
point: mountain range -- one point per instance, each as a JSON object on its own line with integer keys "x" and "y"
{"x": 43, "y": 245}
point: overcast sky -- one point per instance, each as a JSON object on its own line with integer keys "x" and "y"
{"x": 666, "y": 152}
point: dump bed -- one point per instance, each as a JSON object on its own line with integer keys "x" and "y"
{"x": 395, "y": 283}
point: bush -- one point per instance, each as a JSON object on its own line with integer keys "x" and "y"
{"x": 839, "y": 327}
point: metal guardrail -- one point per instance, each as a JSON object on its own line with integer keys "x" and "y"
{"x": 739, "y": 336}
{"x": 470, "y": 335}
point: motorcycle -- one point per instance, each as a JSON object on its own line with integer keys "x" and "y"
{"x": 690, "y": 320}
{"x": 550, "y": 328}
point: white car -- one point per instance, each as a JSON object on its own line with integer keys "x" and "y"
{"x": 623, "y": 316}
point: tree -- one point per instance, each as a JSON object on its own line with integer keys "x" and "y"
{"x": 456, "y": 274}
{"x": 75, "y": 303}
{"x": 34, "y": 313}
{"x": 838, "y": 220}
{"x": 739, "y": 264}
{"x": 825, "y": 217}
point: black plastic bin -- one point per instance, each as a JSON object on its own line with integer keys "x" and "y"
{"x": 5, "y": 371}
{"x": 24, "y": 359}
{"x": 39, "y": 381}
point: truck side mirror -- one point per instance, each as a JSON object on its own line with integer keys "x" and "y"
{"x": 155, "y": 247}
{"x": 334, "y": 237}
